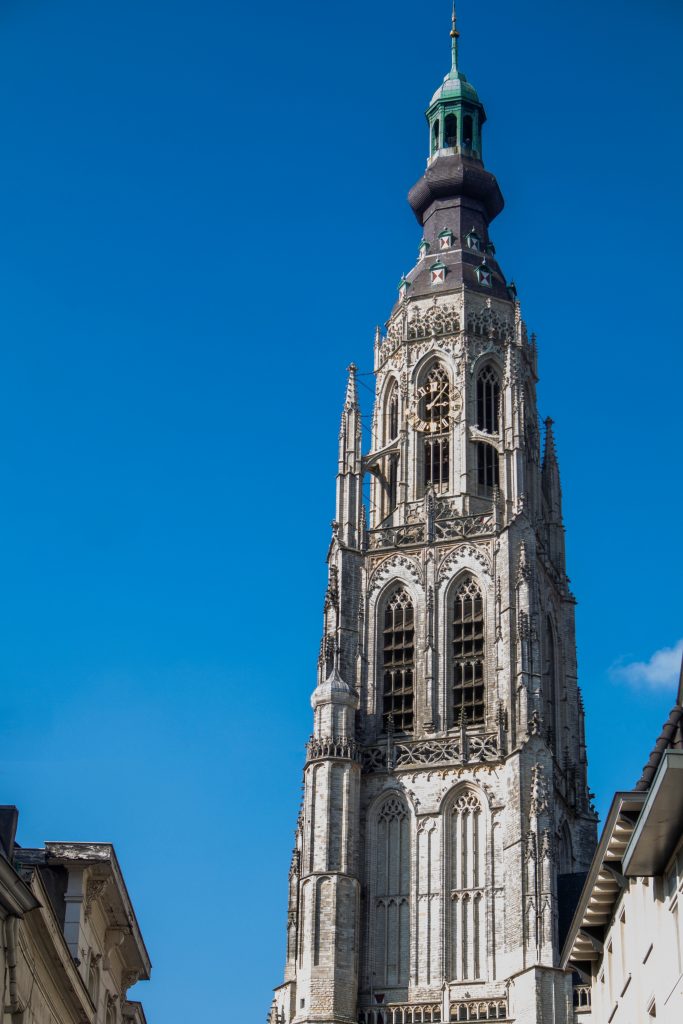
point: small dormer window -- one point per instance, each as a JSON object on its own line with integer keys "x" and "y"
{"x": 473, "y": 240}
{"x": 424, "y": 248}
{"x": 446, "y": 239}
{"x": 403, "y": 287}
{"x": 484, "y": 276}
{"x": 490, "y": 249}
{"x": 438, "y": 273}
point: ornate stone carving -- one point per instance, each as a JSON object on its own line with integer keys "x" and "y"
{"x": 487, "y": 323}
{"x": 94, "y": 889}
{"x": 539, "y": 791}
{"x": 464, "y": 553}
{"x": 439, "y": 319}
{"x": 392, "y": 566}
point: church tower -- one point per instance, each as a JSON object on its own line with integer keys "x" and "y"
{"x": 446, "y": 814}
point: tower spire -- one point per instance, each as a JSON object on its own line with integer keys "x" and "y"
{"x": 455, "y": 35}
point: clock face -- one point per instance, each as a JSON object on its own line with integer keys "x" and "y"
{"x": 435, "y": 407}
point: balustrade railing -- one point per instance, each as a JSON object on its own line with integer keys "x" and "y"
{"x": 452, "y": 528}
{"x": 396, "y": 755}
{"x": 479, "y": 1009}
{"x": 401, "y": 1013}
{"x": 431, "y": 1013}
{"x": 326, "y": 746}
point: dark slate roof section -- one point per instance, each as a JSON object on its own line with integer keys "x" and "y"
{"x": 450, "y": 176}
{"x": 670, "y": 738}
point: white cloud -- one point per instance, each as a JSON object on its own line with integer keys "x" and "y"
{"x": 659, "y": 673}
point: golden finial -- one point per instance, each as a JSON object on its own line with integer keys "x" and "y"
{"x": 454, "y": 31}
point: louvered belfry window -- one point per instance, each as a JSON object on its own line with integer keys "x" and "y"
{"x": 399, "y": 663}
{"x": 488, "y": 473}
{"x": 468, "y": 653}
{"x": 488, "y": 401}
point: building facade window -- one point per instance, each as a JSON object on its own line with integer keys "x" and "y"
{"x": 398, "y": 666}
{"x": 487, "y": 469}
{"x": 468, "y": 698}
{"x": 466, "y": 866}
{"x": 435, "y": 403}
{"x": 391, "y": 909}
{"x": 488, "y": 401}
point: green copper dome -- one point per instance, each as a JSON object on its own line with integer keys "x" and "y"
{"x": 455, "y": 86}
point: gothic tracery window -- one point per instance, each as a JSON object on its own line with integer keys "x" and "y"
{"x": 468, "y": 653}
{"x": 398, "y": 663}
{"x": 391, "y": 910}
{"x": 435, "y": 406}
{"x": 467, "y": 865}
{"x": 392, "y": 415}
{"x": 488, "y": 476}
{"x": 488, "y": 400}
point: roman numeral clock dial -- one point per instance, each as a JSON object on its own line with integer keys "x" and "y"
{"x": 435, "y": 407}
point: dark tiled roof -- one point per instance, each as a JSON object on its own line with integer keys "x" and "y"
{"x": 670, "y": 738}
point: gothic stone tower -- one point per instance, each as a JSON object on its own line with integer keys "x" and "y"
{"x": 445, "y": 804}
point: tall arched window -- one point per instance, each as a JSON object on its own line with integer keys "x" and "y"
{"x": 399, "y": 663}
{"x": 391, "y": 910}
{"x": 451, "y": 130}
{"x": 488, "y": 400}
{"x": 391, "y": 431}
{"x": 467, "y": 131}
{"x": 435, "y": 404}
{"x": 390, "y": 434}
{"x": 488, "y": 476}
{"x": 467, "y": 881}
{"x": 468, "y": 653}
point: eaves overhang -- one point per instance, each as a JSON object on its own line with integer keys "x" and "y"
{"x": 16, "y": 897}
{"x": 660, "y": 824}
{"x": 603, "y": 885}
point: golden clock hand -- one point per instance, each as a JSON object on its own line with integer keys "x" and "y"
{"x": 436, "y": 399}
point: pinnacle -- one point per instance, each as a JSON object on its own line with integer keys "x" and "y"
{"x": 351, "y": 388}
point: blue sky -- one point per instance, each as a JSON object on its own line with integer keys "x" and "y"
{"x": 203, "y": 217}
